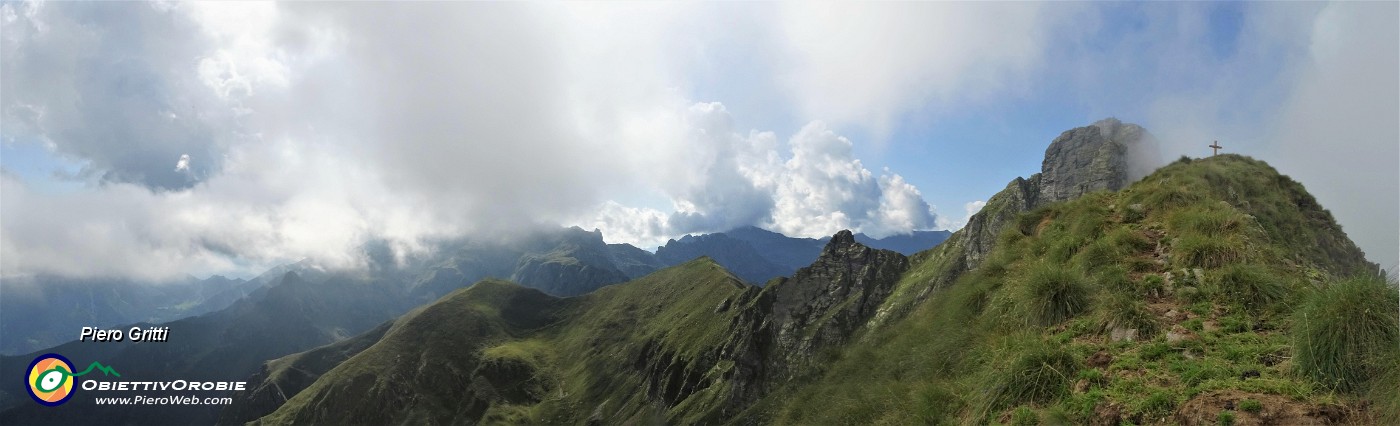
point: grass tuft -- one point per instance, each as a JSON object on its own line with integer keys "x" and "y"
{"x": 1053, "y": 293}
{"x": 1122, "y": 310}
{"x": 1099, "y": 254}
{"x": 1173, "y": 197}
{"x": 1251, "y": 405}
{"x": 1040, "y": 374}
{"x": 1127, "y": 239}
{"x": 1344, "y": 332}
{"x": 1251, "y": 286}
{"x": 1200, "y": 251}
{"x": 1208, "y": 221}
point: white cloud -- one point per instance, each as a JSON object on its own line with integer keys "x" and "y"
{"x": 812, "y": 187}
{"x": 969, "y": 209}
{"x": 183, "y": 165}
{"x": 318, "y": 126}
{"x": 869, "y": 63}
{"x": 1337, "y": 133}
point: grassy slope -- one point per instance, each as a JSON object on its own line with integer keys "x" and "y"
{"x": 500, "y": 353}
{"x": 985, "y": 351}
{"x": 1222, "y": 250}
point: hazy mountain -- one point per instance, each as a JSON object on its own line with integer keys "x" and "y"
{"x": 307, "y": 307}
{"x": 906, "y": 244}
{"x": 734, "y": 254}
{"x": 42, "y": 311}
{"x": 757, "y": 255}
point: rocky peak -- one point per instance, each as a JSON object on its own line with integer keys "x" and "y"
{"x": 824, "y": 303}
{"x": 843, "y": 238}
{"x": 1107, "y": 155}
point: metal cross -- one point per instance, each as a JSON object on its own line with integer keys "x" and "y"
{"x": 1215, "y": 147}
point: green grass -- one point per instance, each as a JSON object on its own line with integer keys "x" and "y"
{"x": 1052, "y": 293}
{"x": 1128, "y": 239}
{"x": 1252, "y": 286}
{"x": 1212, "y": 221}
{"x": 1344, "y": 331}
{"x": 1251, "y": 405}
{"x": 1195, "y": 250}
{"x": 1039, "y": 372}
{"x": 1099, "y": 254}
{"x": 1128, "y": 311}
{"x": 1225, "y": 418}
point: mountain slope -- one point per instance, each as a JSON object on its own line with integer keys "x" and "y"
{"x": 685, "y": 344}
{"x": 484, "y": 346}
{"x": 1191, "y": 296}
{"x": 1154, "y": 304}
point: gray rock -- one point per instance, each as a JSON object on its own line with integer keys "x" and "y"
{"x": 1119, "y": 334}
{"x": 1108, "y": 155}
{"x": 1180, "y": 334}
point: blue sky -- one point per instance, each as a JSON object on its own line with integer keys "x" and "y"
{"x": 312, "y": 127}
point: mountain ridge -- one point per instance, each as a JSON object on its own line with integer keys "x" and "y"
{"x": 801, "y": 349}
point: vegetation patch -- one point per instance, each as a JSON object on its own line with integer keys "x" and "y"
{"x": 1052, "y": 293}
{"x": 1201, "y": 251}
{"x": 1251, "y": 286}
{"x": 1039, "y": 373}
{"x": 1344, "y": 332}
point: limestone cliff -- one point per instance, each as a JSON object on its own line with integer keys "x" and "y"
{"x": 1107, "y": 155}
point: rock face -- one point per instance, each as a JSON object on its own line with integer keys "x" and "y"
{"x": 1107, "y": 155}
{"x": 822, "y": 305}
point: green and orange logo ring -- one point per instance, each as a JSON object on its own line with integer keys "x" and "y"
{"x": 50, "y": 379}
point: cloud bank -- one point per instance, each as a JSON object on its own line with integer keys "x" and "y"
{"x": 319, "y": 126}
{"x": 304, "y": 129}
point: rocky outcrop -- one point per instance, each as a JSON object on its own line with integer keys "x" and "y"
{"x": 1107, "y": 155}
{"x": 824, "y": 303}
{"x": 788, "y": 323}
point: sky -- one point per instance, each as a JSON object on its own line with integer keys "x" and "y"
{"x": 154, "y": 140}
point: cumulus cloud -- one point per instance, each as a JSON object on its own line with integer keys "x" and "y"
{"x": 812, "y": 186}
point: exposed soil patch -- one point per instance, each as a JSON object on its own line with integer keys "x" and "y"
{"x": 1273, "y": 410}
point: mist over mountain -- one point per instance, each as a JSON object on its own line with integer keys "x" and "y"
{"x": 44, "y": 310}
{"x": 300, "y": 306}
{"x": 757, "y": 255}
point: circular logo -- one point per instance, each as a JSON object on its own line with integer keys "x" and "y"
{"x": 50, "y": 379}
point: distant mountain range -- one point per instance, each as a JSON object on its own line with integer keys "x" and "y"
{"x": 230, "y": 326}
{"x": 43, "y": 311}
{"x": 566, "y": 262}
{"x": 757, "y": 255}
